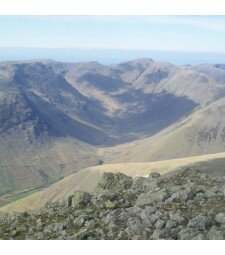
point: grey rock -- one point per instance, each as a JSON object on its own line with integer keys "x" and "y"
{"x": 78, "y": 222}
{"x": 144, "y": 184}
{"x": 177, "y": 217}
{"x": 82, "y": 234}
{"x": 147, "y": 224}
{"x": 80, "y": 198}
{"x": 188, "y": 234}
{"x": 154, "y": 175}
{"x": 134, "y": 228}
{"x": 214, "y": 234}
{"x": 159, "y": 234}
{"x": 39, "y": 236}
{"x": 200, "y": 222}
{"x": 220, "y": 218}
{"x": 183, "y": 195}
{"x": 90, "y": 224}
{"x": 114, "y": 182}
{"x": 160, "y": 224}
{"x": 171, "y": 224}
{"x": 151, "y": 197}
{"x": 134, "y": 210}
{"x": 39, "y": 225}
{"x": 110, "y": 234}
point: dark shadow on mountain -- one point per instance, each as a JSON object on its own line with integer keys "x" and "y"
{"x": 163, "y": 109}
{"x": 102, "y": 82}
{"x": 61, "y": 125}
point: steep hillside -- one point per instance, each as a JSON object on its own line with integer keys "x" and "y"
{"x": 37, "y": 131}
{"x": 87, "y": 179}
{"x": 200, "y": 133}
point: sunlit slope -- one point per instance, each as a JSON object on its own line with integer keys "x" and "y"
{"x": 201, "y": 133}
{"x": 86, "y": 179}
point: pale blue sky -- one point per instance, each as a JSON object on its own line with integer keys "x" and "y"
{"x": 179, "y": 33}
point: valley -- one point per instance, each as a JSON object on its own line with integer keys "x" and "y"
{"x": 58, "y": 118}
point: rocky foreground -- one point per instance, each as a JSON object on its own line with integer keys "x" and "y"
{"x": 186, "y": 205}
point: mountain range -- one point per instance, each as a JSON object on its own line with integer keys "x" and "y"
{"x": 57, "y": 118}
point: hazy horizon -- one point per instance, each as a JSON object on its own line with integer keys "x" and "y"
{"x": 109, "y": 56}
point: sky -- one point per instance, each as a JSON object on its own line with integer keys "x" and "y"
{"x": 185, "y": 33}
{"x": 159, "y": 33}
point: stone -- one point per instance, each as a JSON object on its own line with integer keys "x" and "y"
{"x": 114, "y": 182}
{"x": 160, "y": 224}
{"x": 110, "y": 234}
{"x": 39, "y": 225}
{"x": 21, "y": 228}
{"x": 220, "y": 218}
{"x": 177, "y": 217}
{"x": 200, "y": 222}
{"x": 110, "y": 205}
{"x": 90, "y": 224}
{"x": 183, "y": 195}
{"x": 78, "y": 222}
{"x": 144, "y": 184}
{"x": 214, "y": 234}
{"x": 39, "y": 236}
{"x": 80, "y": 198}
{"x": 171, "y": 224}
{"x": 151, "y": 197}
{"x": 14, "y": 233}
{"x": 154, "y": 175}
{"x": 159, "y": 234}
{"x": 82, "y": 234}
{"x": 188, "y": 234}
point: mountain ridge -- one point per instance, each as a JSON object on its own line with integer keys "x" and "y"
{"x": 48, "y": 105}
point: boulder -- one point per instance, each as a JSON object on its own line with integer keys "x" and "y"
{"x": 151, "y": 197}
{"x": 200, "y": 222}
{"x": 215, "y": 234}
{"x": 109, "y": 204}
{"x": 114, "y": 182}
{"x": 144, "y": 184}
{"x": 80, "y": 198}
{"x": 220, "y": 218}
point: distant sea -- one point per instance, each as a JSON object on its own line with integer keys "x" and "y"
{"x": 110, "y": 56}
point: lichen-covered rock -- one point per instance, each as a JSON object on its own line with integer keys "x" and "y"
{"x": 200, "y": 222}
{"x": 114, "y": 182}
{"x": 80, "y": 198}
{"x": 159, "y": 234}
{"x": 177, "y": 217}
{"x": 110, "y": 205}
{"x": 145, "y": 184}
{"x": 183, "y": 195}
{"x": 160, "y": 224}
{"x": 151, "y": 197}
{"x": 220, "y": 218}
{"x": 214, "y": 234}
{"x": 188, "y": 234}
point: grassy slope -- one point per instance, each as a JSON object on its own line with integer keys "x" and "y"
{"x": 201, "y": 133}
{"x": 86, "y": 179}
{"x": 43, "y": 165}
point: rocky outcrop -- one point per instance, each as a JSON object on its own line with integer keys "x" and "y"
{"x": 185, "y": 205}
